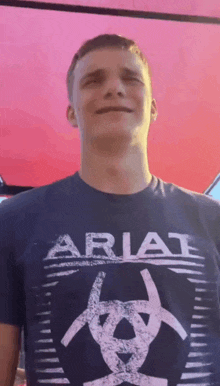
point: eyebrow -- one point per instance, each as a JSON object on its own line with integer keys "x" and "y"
{"x": 100, "y": 71}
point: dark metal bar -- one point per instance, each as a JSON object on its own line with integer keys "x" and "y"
{"x": 110, "y": 11}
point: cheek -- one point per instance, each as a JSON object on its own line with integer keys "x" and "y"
{"x": 90, "y": 103}
{"x": 139, "y": 95}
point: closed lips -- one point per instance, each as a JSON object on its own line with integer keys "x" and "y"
{"x": 107, "y": 109}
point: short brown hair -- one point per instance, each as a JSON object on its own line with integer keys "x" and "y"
{"x": 102, "y": 41}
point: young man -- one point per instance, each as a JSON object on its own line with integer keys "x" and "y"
{"x": 113, "y": 273}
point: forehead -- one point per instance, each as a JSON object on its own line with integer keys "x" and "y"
{"x": 108, "y": 59}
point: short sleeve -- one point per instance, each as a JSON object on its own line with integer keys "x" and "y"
{"x": 12, "y": 303}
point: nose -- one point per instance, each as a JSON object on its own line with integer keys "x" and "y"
{"x": 110, "y": 93}
{"x": 115, "y": 87}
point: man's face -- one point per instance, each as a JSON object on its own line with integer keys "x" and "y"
{"x": 121, "y": 79}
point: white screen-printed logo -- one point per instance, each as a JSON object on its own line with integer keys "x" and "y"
{"x": 137, "y": 347}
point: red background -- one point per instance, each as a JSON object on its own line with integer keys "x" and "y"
{"x": 38, "y": 145}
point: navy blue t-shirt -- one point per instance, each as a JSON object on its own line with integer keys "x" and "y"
{"x": 113, "y": 289}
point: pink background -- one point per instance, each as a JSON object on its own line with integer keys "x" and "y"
{"x": 38, "y": 145}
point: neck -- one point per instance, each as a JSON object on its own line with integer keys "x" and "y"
{"x": 122, "y": 171}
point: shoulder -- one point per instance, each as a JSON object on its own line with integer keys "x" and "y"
{"x": 189, "y": 195}
{"x": 35, "y": 199}
{"x": 205, "y": 206}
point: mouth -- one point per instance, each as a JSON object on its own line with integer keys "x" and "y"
{"x": 114, "y": 109}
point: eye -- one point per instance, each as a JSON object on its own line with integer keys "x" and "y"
{"x": 93, "y": 81}
{"x": 98, "y": 80}
{"x": 133, "y": 79}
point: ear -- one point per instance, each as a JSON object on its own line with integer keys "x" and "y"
{"x": 70, "y": 114}
{"x": 154, "y": 112}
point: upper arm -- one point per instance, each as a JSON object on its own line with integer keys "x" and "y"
{"x": 10, "y": 344}
{"x": 12, "y": 304}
